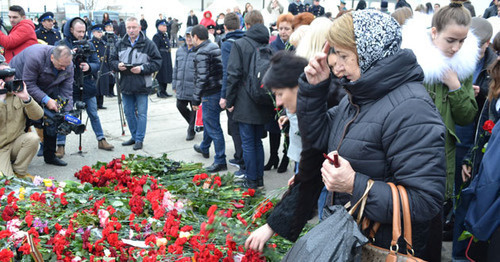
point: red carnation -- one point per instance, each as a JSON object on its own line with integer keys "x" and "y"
{"x": 8, "y": 213}
{"x": 488, "y": 125}
{"x": 6, "y": 255}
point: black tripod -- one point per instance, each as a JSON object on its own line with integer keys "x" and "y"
{"x": 79, "y": 84}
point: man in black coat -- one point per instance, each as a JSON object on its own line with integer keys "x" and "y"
{"x": 492, "y": 10}
{"x": 240, "y": 103}
{"x": 135, "y": 78}
{"x": 102, "y": 51}
{"x": 144, "y": 24}
{"x": 207, "y": 86}
{"x": 192, "y": 19}
{"x": 46, "y": 31}
{"x": 164, "y": 75}
{"x": 296, "y": 7}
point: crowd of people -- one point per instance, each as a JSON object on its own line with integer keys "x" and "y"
{"x": 409, "y": 97}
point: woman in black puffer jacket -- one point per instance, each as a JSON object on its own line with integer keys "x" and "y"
{"x": 387, "y": 129}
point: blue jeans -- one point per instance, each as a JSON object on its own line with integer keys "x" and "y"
{"x": 322, "y": 202}
{"x": 91, "y": 107}
{"x": 253, "y": 151}
{"x": 135, "y": 108}
{"x": 212, "y": 130}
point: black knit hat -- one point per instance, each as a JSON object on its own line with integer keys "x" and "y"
{"x": 284, "y": 71}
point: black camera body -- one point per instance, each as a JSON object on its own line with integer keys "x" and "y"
{"x": 13, "y": 85}
{"x": 109, "y": 37}
{"x": 65, "y": 123}
{"x": 82, "y": 53}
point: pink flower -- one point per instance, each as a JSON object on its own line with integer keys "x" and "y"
{"x": 103, "y": 217}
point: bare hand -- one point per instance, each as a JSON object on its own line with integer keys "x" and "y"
{"x": 52, "y": 105}
{"x": 195, "y": 108}
{"x": 450, "y": 78}
{"x": 85, "y": 67}
{"x": 291, "y": 181}
{"x": 2, "y": 83}
{"x": 282, "y": 121}
{"x": 338, "y": 179}
{"x": 257, "y": 240}
{"x": 121, "y": 66}
{"x": 476, "y": 90}
{"x": 222, "y": 103}
{"x": 230, "y": 109}
{"x": 466, "y": 172}
{"x": 136, "y": 70}
{"x": 317, "y": 70}
{"x": 23, "y": 94}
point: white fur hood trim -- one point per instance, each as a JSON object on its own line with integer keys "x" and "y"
{"x": 416, "y": 36}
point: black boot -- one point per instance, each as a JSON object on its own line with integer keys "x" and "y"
{"x": 274, "y": 144}
{"x": 284, "y": 161}
{"x": 284, "y": 164}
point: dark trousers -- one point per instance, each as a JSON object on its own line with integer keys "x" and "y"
{"x": 233, "y": 129}
{"x": 184, "y": 107}
{"x": 49, "y": 145}
{"x": 253, "y": 151}
{"x": 100, "y": 100}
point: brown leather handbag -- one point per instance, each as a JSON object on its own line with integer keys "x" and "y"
{"x": 372, "y": 253}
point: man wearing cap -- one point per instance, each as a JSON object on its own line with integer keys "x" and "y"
{"x": 21, "y": 35}
{"x": 17, "y": 147}
{"x": 46, "y": 31}
{"x": 296, "y": 7}
{"x": 183, "y": 82}
{"x": 317, "y": 10}
{"x": 74, "y": 30}
{"x": 102, "y": 52}
{"x": 162, "y": 42}
{"x": 211, "y": 33}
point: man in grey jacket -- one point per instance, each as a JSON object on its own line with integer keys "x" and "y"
{"x": 48, "y": 73}
{"x": 136, "y": 58}
{"x": 183, "y": 82}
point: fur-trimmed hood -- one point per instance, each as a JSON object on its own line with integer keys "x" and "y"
{"x": 417, "y": 37}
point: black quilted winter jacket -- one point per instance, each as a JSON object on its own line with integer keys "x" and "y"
{"x": 207, "y": 71}
{"x": 396, "y": 135}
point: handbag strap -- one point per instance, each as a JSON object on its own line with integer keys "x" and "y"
{"x": 405, "y": 203}
{"x": 396, "y": 220}
{"x": 362, "y": 201}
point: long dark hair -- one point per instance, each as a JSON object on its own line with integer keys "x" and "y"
{"x": 428, "y": 7}
{"x": 494, "y": 71}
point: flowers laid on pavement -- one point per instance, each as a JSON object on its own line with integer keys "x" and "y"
{"x": 133, "y": 209}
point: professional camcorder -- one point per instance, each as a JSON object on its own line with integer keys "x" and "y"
{"x": 109, "y": 36}
{"x": 65, "y": 122}
{"x": 83, "y": 51}
{"x": 13, "y": 85}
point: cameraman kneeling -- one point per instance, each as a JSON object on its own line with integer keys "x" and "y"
{"x": 17, "y": 148}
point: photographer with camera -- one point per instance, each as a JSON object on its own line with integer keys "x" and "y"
{"x": 136, "y": 58}
{"x": 48, "y": 74}
{"x": 17, "y": 147}
{"x": 86, "y": 67}
{"x": 20, "y": 36}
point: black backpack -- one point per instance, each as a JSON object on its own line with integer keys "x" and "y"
{"x": 259, "y": 63}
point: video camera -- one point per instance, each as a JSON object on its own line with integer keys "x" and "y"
{"x": 65, "y": 122}
{"x": 13, "y": 85}
{"x": 109, "y": 36}
{"x": 83, "y": 51}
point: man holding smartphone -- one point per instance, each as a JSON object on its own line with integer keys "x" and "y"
{"x": 136, "y": 58}
{"x": 17, "y": 147}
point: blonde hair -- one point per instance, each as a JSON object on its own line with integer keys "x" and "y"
{"x": 341, "y": 33}
{"x": 402, "y": 14}
{"x": 314, "y": 39}
{"x": 298, "y": 34}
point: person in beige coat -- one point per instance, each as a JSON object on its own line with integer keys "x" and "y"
{"x": 17, "y": 147}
